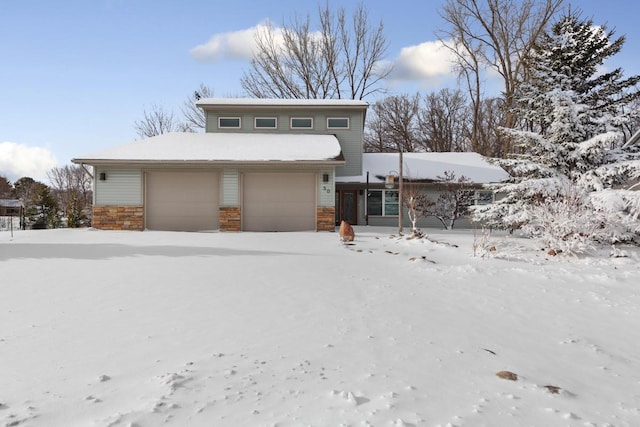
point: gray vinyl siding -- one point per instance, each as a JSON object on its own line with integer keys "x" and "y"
{"x": 230, "y": 187}
{"x": 425, "y": 222}
{"x": 351, "y": 143}
{"x": 122, "y": 187}
{"x": 350, "y": 139}
{"x": 326, "y": 194}
{"x": 392, "y": 220}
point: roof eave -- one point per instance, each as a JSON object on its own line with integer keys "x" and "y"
{"x": 338, "y": 161}
{"x": 213, "y": 106}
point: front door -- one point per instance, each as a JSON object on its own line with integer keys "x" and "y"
{"x": 348, "y": 206}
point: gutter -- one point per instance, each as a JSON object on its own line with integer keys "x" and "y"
{"x": 223, "y": 163}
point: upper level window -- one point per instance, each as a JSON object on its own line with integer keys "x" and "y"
{"x": 229, "y": 122}
{"x": 301, "y": 123}
{"x": 338, "y": 123}
{"x": 266, "y": 123}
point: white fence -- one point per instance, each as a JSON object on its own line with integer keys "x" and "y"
{"x": 9, "y": 223}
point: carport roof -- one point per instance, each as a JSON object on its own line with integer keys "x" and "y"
{"x": 427, "y": 167}
{"x": 187, "y": 147}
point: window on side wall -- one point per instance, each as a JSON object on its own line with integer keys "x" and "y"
{"x": 475, "y": 197}
{"x": 483, "y": 197}
{"x": 301, "y": 123}
{"x": 265, "y": 123}
{"x": 337, "y": 123}
{"x": 229, "y": 122}
{"x": 382, "y": 202}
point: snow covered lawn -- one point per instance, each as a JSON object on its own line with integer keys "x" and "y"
{"x": 295, "y": 329}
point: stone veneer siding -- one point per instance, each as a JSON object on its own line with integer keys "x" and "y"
{"x": 325, "y": 219}
{"x": 118, "y": 218}
{"x": 229, "y": 217}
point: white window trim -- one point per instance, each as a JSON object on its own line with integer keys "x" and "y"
{"x": 230, "y": 127}
{"x": 300, "y": 127}
{"x": 339, "y": 127}
{"x": 475, "y": 197}
{"x": 255, "y": 123}
{"x": 384, "y": 204}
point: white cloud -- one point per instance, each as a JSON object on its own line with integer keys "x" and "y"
{"x": 425, "y": 64}
{"x": 19, "y": 160}
{"x": 231, "y": 45}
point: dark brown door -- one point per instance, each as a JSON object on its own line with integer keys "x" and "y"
{"x": 349, "y": 206}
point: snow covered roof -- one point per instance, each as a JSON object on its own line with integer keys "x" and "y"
{"x": 427, "y": 167}
{"x": 280, "y": 102}
{"x": 10, "y": 203}
{"x": 222, "y": 147}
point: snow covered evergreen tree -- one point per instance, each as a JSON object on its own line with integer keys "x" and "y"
{"x": 43, "y": 208}
{"x": 571, "y": 144}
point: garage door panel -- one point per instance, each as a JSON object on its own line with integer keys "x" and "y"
{"x": 279, "y": 201}
{"x": 182, "y": 201}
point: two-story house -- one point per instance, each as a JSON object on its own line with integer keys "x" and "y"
{"x": 260, "y": 165}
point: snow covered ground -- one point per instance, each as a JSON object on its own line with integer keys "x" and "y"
{"x": 150, "y": 328}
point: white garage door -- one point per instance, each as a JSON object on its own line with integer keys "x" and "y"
{"x": 182, "y": 201}
{"x": 279, "y": 201}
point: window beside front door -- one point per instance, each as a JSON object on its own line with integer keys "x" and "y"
{"x": 382, "y": 202}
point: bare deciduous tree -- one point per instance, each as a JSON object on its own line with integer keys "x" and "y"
{"x": 393, "y": 125}
{"x": 340, "y": 60}
{"x": 157, "y": 122}
{"x": 5, "y": 188}
{"x": 453, "y": 200}
{"x": 490, "y": 141}
{"x": 375, "y": 135}
{"x": 443, "y": 121}
{"x": 71, "y": 187}
{"x": 498, "y": 34}
{"x": 195, "y": 118}
{"x": 434, "y": 122}
{"x": 417, "y": 203}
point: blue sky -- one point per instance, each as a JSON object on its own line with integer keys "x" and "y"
{"x": 75, "y": 75}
